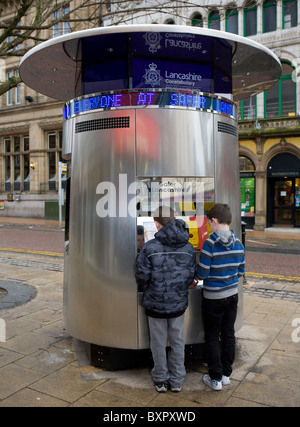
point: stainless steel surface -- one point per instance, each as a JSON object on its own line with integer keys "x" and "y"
{"x": 49, "y": 68}
{"x": 174, "y": 143}
{"x": 68, "y": 138}
{"x": 102, "y": 295}
{"x": 227, "y": 183}
{"x": 101, "y": 302}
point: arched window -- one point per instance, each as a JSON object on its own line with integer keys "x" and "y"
{"x": 214, "y": 20}
{"x": 197, "y": 20}
{"x": 246, "y": 164}
{"x": 250, "y": 19}
{"x": 232, "y": 24}
{"x": 289, "y": 13}
{"x": 269, "y": 16}
{"x": 170, "y": 22}
{"x": 280, "y": 99}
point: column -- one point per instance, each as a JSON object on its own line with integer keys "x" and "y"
{"x": 241, "y": 21}
{"x": 259, "y": 19}
{"x": 260, "y": 201}
{"x": 279, "y": 14}
{"x": 36, "y": 144}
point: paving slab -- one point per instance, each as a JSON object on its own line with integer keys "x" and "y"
{"x": 41, "y": 365}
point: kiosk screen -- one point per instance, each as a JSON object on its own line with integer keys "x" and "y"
{"x": 190, "y": 198}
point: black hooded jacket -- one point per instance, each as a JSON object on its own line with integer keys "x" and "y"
{"x": 164, "y": 269}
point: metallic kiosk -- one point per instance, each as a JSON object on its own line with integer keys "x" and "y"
{"x": 150, "y": 118}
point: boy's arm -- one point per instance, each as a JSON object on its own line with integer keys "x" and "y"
{"x": 203, "y": 267}
{"x": 242, "y": 266}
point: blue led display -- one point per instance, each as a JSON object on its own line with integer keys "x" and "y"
{"x": 106, "y": 101}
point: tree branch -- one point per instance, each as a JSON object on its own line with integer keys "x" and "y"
{"x": 9, "y": 84}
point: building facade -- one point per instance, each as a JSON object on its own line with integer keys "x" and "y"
{"x": 269, "y": 123}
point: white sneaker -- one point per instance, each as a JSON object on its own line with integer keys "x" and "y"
{"x": 214, "y": 384}
{"x": 225, "y": 380}
{"x": 176, "y": 389}
{"x": 161, "y": 388}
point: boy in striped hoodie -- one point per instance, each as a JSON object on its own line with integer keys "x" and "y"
{"x": 222, "y": 262}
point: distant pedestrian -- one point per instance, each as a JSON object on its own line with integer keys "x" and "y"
{"x": 140, "y": 237}
{"x": 164, "y": 269}
{"x": 222, "y": 262}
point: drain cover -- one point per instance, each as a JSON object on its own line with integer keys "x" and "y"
{"x": 3, "y": 292}
{"x": 15, "y": 293}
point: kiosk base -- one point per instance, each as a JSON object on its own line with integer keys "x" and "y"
{"x": 114, "y": 359}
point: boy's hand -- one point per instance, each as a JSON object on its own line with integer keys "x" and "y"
{"x": 193, "y": 285}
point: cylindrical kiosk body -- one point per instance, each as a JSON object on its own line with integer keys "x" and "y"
{"x": 152, "y": 122}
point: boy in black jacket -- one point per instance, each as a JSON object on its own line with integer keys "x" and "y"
{"x": 164, "y": 269}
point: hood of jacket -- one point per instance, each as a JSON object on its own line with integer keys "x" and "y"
{"x": 224, "y": 238}
{"x": 175, "y": 233}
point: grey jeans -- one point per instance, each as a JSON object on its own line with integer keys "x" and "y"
{"x": 167, "y": 368}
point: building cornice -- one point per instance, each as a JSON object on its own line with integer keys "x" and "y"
{"x": 269, "y": 127}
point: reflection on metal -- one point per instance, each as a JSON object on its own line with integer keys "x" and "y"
{"x": 162, "y": 149}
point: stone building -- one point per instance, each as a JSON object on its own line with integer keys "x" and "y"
{"x": 269, "y": 123}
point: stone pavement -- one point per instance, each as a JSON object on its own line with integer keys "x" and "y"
{"x": 42, "y": 366}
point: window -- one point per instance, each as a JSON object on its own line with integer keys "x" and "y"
{"x": 13, "y": 96}
{"x": 232, "y": 24}
{"x": 272, "y": 102}
{"x": 246, "y": 164}
{"x": 248, "y": 108}
{"x": 214, "y": 20}
{"x": 66, "y": 24}
{"x": 10, "y": 39}
{"x": 197, "y": 20}
{"x": 16, "y": 163}
{"x": 289, "y": 13}
{"x": 280, "y": 99}
{"x": 250, "y": 19}
{"x": 269, "y": 16}
{"x": 61, "y": 27}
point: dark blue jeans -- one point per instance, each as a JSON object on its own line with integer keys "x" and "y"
{"x": 219, "y": 317}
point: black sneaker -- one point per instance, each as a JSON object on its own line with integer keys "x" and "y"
{"x": 161, "y": 388}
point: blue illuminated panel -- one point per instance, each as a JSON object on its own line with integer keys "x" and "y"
{"x": 155, "y": 60}
{"x": 139, "y": 99}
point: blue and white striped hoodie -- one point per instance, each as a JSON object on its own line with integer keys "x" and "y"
{"x": 222, "y": 262}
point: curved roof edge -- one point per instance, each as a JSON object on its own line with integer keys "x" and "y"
{"x": 48, "y": 69}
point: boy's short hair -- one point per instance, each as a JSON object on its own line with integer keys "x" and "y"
{"x": 221, "y": 212}
{"x": 163, "y": 215}
{"x": 139, "y": 230}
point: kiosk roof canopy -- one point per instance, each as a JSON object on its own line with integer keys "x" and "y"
{"x": 54, "y": 68}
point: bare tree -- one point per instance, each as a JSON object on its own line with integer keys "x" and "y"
{"x": 25, "y": 23}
